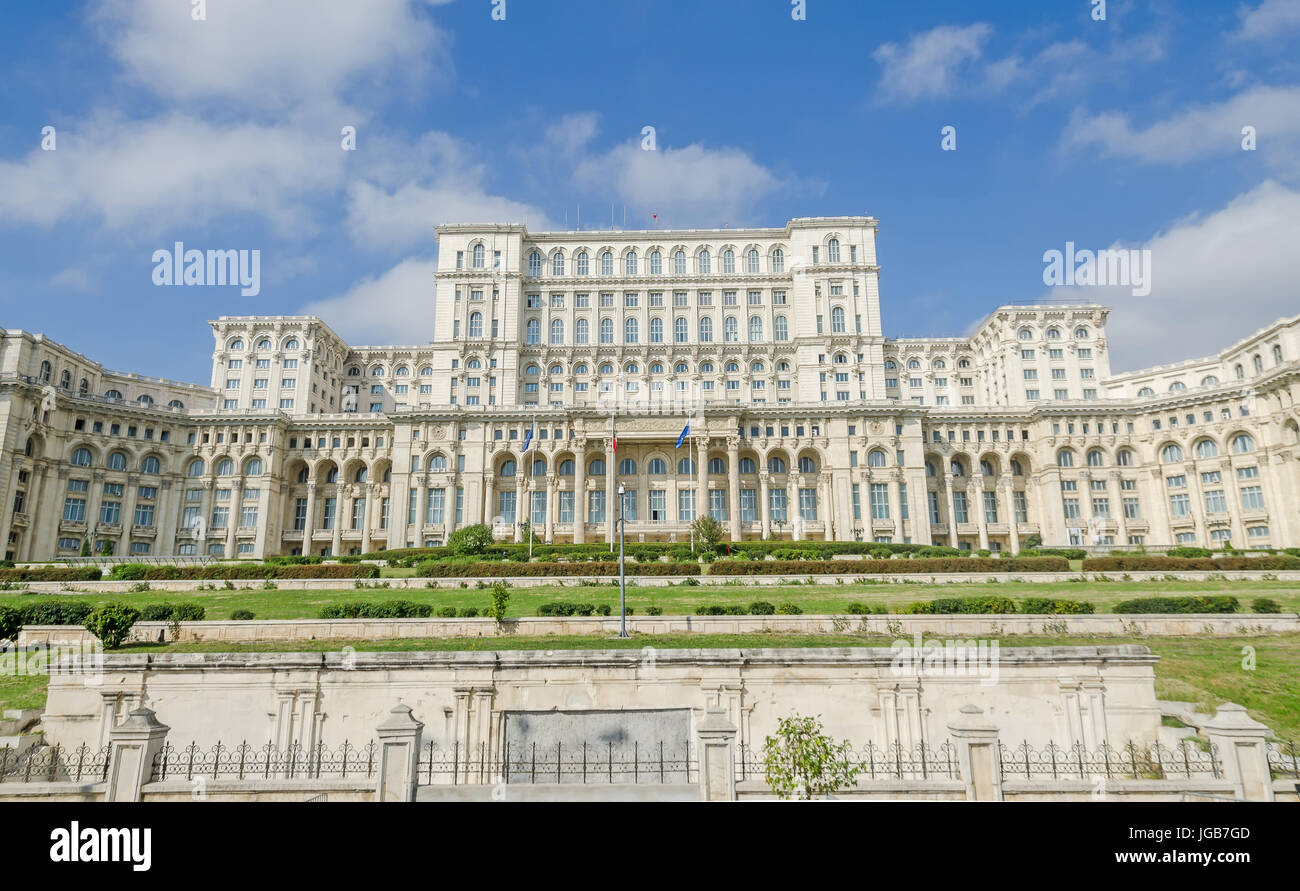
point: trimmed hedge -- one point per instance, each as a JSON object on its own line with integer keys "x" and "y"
{"x": 172, "y": 612}
{"x": 1067, "y": 553}
{"x": 649, "y": 551}
{"x": 52, "y": 574}
{"x": 877, "y": 567}
{"x": 435, "y": 569}
{"x": 1037, "y": 606}
{"x": 145, "y": 572}
{"x": 570, "y": 608}
{"x": 966, "y": 605}
{"x": 1158, "y": 563}
{"x": 1220, "y": 604}
{"x": 54, "y": 612}
{"x": 388, "y": 609}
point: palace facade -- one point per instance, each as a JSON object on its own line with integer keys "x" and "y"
{"x": 564, "y": 369}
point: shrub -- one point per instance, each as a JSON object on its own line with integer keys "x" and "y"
{"x": 111, "y": 623}
{"x": 762, "y": 608}
{"x": 52, "y": 574}
{"x": 962, "y": 605}
{"x": 1220, "y": 604}
{"x": 446, "y": 612}
{"x": 388, "y": 609}
{"x": 172, "y": 612}
{"x": 469, "y": 612}
{"x": 788, "y": 609}
{"x": 55, "y": 612}
{"x": 1054, "y": 606}
{"x": 11, "y": 622}
{"x": 479, "y": 569}
{"x": 1258, "y": 605}
{"x": 875, "y": 567}
{"x": 857, "y": 608}
{"x": 500, "y": 602}
{"x": 242, "y": 615}
{"x": 470, "y": 540}
{"x": 654, "y": 610}
{"x": 1188, "y": 552}
{"x": 711, "y": 609}
{"x": 1165, "y": 563}
{"x": 228, "y": 571}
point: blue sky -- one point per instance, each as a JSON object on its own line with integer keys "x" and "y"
{"x": 225, "y": 133}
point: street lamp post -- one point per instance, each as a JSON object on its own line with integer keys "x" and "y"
{"x": 622, "y": 586}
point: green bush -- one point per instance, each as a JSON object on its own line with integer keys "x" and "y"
{"x": 654, "y": 610}
{"x": 111, "y": 623}
{"x": 141, "y": 571}
{"x": 11, "y": 622}
{"x": 480, "y": 569}
{"x": 1054, "y": 606}
{"x": 388, "y": 609}
{"x": 788, "y": 609}
{"x": 172, "y": 612}
{"x": 1258, "y": 605}
{"x": 52, "y": 574}
{"x": 962, "y": 605}
{"x": 1188, "y": 552}
{"x": 446, "y": 612}
{"x": 762, "y": 608}
{"x": 242, "y": 615}
{"x": 877, "y": 567}
{"x": 1141, "y": 563}
{"x": 1220, "y": 604}
{"x": 470, "y": 540}
{"x": 55, "y": 612}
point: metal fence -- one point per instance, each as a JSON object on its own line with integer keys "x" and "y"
{"x": 873, "y": 762}
{"x": 246, "y": 761}
{"x": 1284, "y": 759}
{"x": 1134, "y": 761}
{"x": 585, "y": 763}
{"x": 54, "y": 764}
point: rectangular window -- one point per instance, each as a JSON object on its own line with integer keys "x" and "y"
{"x": 566, "y": 507}
{"x": 933, "y": 499}
{"x": 749, "y": 505}
{"x": 685, "y": 505}
{"x": 327, "y": 516}
{"x": 776, "y": 503}
{"x": 658, "y": 506}
{"x": 1071, "y": 506}
{"x": 718, "y": 505}
{"x": 110, "y": 512}
{"x": 629, "y": 506}
{"x": 1021, "y": 505}
{"x": 959, "y": 510}
{"x": 537, "y": 513}
{"x": 1180, "y": 505}
{"x": 595, "y": 507}
{"x": 990, "y": 507}
{"x": 506, "y": 507}
{"x": 1216, "y": 502}
{"x": 1101, "y": 508}
{"x": 435, "y": 508}
{"x": 144, "y": 514}
{"x": 74, "y": 510}
{"x": 220, "y": 517}
{"x": 358, "y": 513}
{"x": 1132, "y": 510}
{"x": 247, "y": 516}
{"x": 1252, "y": 498}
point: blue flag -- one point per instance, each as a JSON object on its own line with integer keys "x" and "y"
{"x": 528, "y": 437}
{"x": 685, "y": 432}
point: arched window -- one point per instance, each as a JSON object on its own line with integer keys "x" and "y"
{"x": 195, "y": 468}
{"x": 1025, "y": 334}
{"x": 1146, "y": 391}
{"x": 686, "y": 467}
{"x": 717, "y": 466}
{"x": 151, "y": 466}
{"x": 681, "y": 368}
{"x": 755, "y": 329}
{"x": 632, "y": 368}
{"x": 533, "y": 332}
{"x": 1239, "y": 372}
{"x": 508, "y": 468}
{"x": 629, "y": 263}
{"x": 1171, "y": 453}
{"x": 1080, "y": 333}
{"x": 480, "y": 256}
{"x": 532, "y": 371}
{"x": 679, "y": 263}
{"x": 84, "y": 387}
{"x": 776, "y": 464}
{"x": 534, "y": 263}
{"x": 706, "y": 330}
{"x": 657, "y": 368}
{"x": 837, "y": 320}
{"x": 539, "y": 467}
{"x": 656, "y": 260}
{"x": 291, "y": 343}
{"x": 627, "y": 467}
{"x": 144, "y": 399}
{"x": 606, "y": 368}
{"x": 1065, "y": 458}
{"x": 807, "y": 465}
{"x": 1095, "y": 458}
{"x": 596, "y": 467}
{"x": 876, "y": 458}
{"x": 778, "y": 260}
{"x": 65, "y": 379}
{"x": 225, "y": 467}
{"x": 580, "y": 264}
{"x": 702, "y": 263}
{"x": 473, "y": 363}
{"x": 929, "y": 468}
{"x": 1016, "y": 468}
{"x": 567, "y": 467}
{"x": 1277, "y": 354}
{"x": 957, "y": 468}
{"x": 332, "y": 475}
{"x": 607, "y": 263}
{"x": 840, "y": 359}
{"x": 402, "y": 371}
{"x": 557, "y": 264}
{"x": 656, "y": 330}
{"x": 913, "y": 364}
{"x": 176, "y": 404}
{"x": 476, "y": 324}
{"x": 116, "y": 461}
{"x": 657, "y": 467}
{"x": 1242, "y": 443}
{"x": 1124, "y": 458}
{"x": 1177, "y": 386}
{"x": 1209, "y": 381}
{"x": 1053, "y": 333}
{"x": 438, "y": 464}
{"x": 630, "y": 333}
{"x": 606, "y": 330}
{"x": 557, "y": 332}
{"x": 253, "y": 467}
{"x": 264, "y": 344}
{"x": 556, "y": 370}
{"x": 80, "y": 458}
{"x": 729, "y": 261}
{"x": 833, "y": 251}
{"x": 580, "y": 331}
{"x": 1206, "y": 448}
{"x": 747, "y": 465}
{"x": 730, "y": 330}
{"x": 751, "y": 261}
{"x": 681, "y": 332}
{"x": 1258, "y": 363}
{"x": 303, "y": 475}
{"x": 780, "y": 328}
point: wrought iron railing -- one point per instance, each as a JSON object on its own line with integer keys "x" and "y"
{"x": 587, "y": 763}
{"x": 1284, "y": 759}
{"x": 872, "y": 762}
{"x": 246, "y": 761}
{"x": 54, "y": 764}
{"x": 1133, "y": 760}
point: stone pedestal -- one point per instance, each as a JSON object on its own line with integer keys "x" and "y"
{"x": 978, "y": 755}
{"x": 399, "y": 755}
{"x": 133, "y": 745}
{"x": 717, "y": 738}
{"x": 1241, "y": 744}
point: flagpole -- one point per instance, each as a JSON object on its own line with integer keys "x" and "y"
{"x": 532, "y": 484}
{"x": 613, "y": 455}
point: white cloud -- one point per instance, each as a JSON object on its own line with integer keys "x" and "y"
{"x": 1215, "y": 279}
{"x": 1269, "y": 19}
{"x": 929, "y": 64}
{"x": 174, "y": 169}
{"x": 1212, "y": 129}
{"x": 73, "y": 278}
{"x": 265, "y": 54}
{"x": 394, "y": 307}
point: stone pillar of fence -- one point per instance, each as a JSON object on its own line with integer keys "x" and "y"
{"x": 399, "y": 755}
{"x": 133, "y": 744}
{"x": 1242, "y": 744}
{"x": 978, "y": 754}
{"x": 717, "y": 737}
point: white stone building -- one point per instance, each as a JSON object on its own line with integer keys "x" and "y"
{"x": 805, "y": 420}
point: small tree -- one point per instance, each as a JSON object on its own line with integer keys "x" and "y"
{"x": 85, "y": 547}
{"x": 1032, "y": 542}
{"x": 111, "y": 623}
{"x": 470, "y": 540}
{"x": 801, "y": 761}
{"x": 708, "y": 532}
{"x": 500, "y": 601}
{"x": 11, "y": 622}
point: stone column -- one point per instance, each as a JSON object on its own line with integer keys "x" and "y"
{"x": 1242, "y": 742}
{"x": 336, "y": 540}
{"x": 133, "y": 745}
{"x": 1158, "y": 502}
{"x": 978, "y": 754}
{"x": 421, "y": 509}
{"x": 128, "y": 514}
{"x": 522, "y": 508}
{"x": 764, "y": 509}
{"x": 717, "y": 742}
{"x": 489, "y": 498}
{"x": 702, "y": 478}
{"x": 896, "y": 496}
{"x": 611, "y": 468}
{"x": 828, "y": 506}
{"x": 399, "y": 755}
{"x": 550, "y": 505}
{"x": 1117, "y": 508}
{"x": 1013, "y": 525}
{"x": 952, "y": 514}
{"x": 580, "y": 491}
{"x": 369, "y": 495}
{"x": 977, "y": 485}
{"x": 232, "y": 519}
{"x": 793, "y": 518}
{"x": 93, "y": 500}
{"x": 733, "y": 486}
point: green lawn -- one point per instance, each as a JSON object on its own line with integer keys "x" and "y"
{"x": 1208, "y": 671}
{"x": 288, "y": 603}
